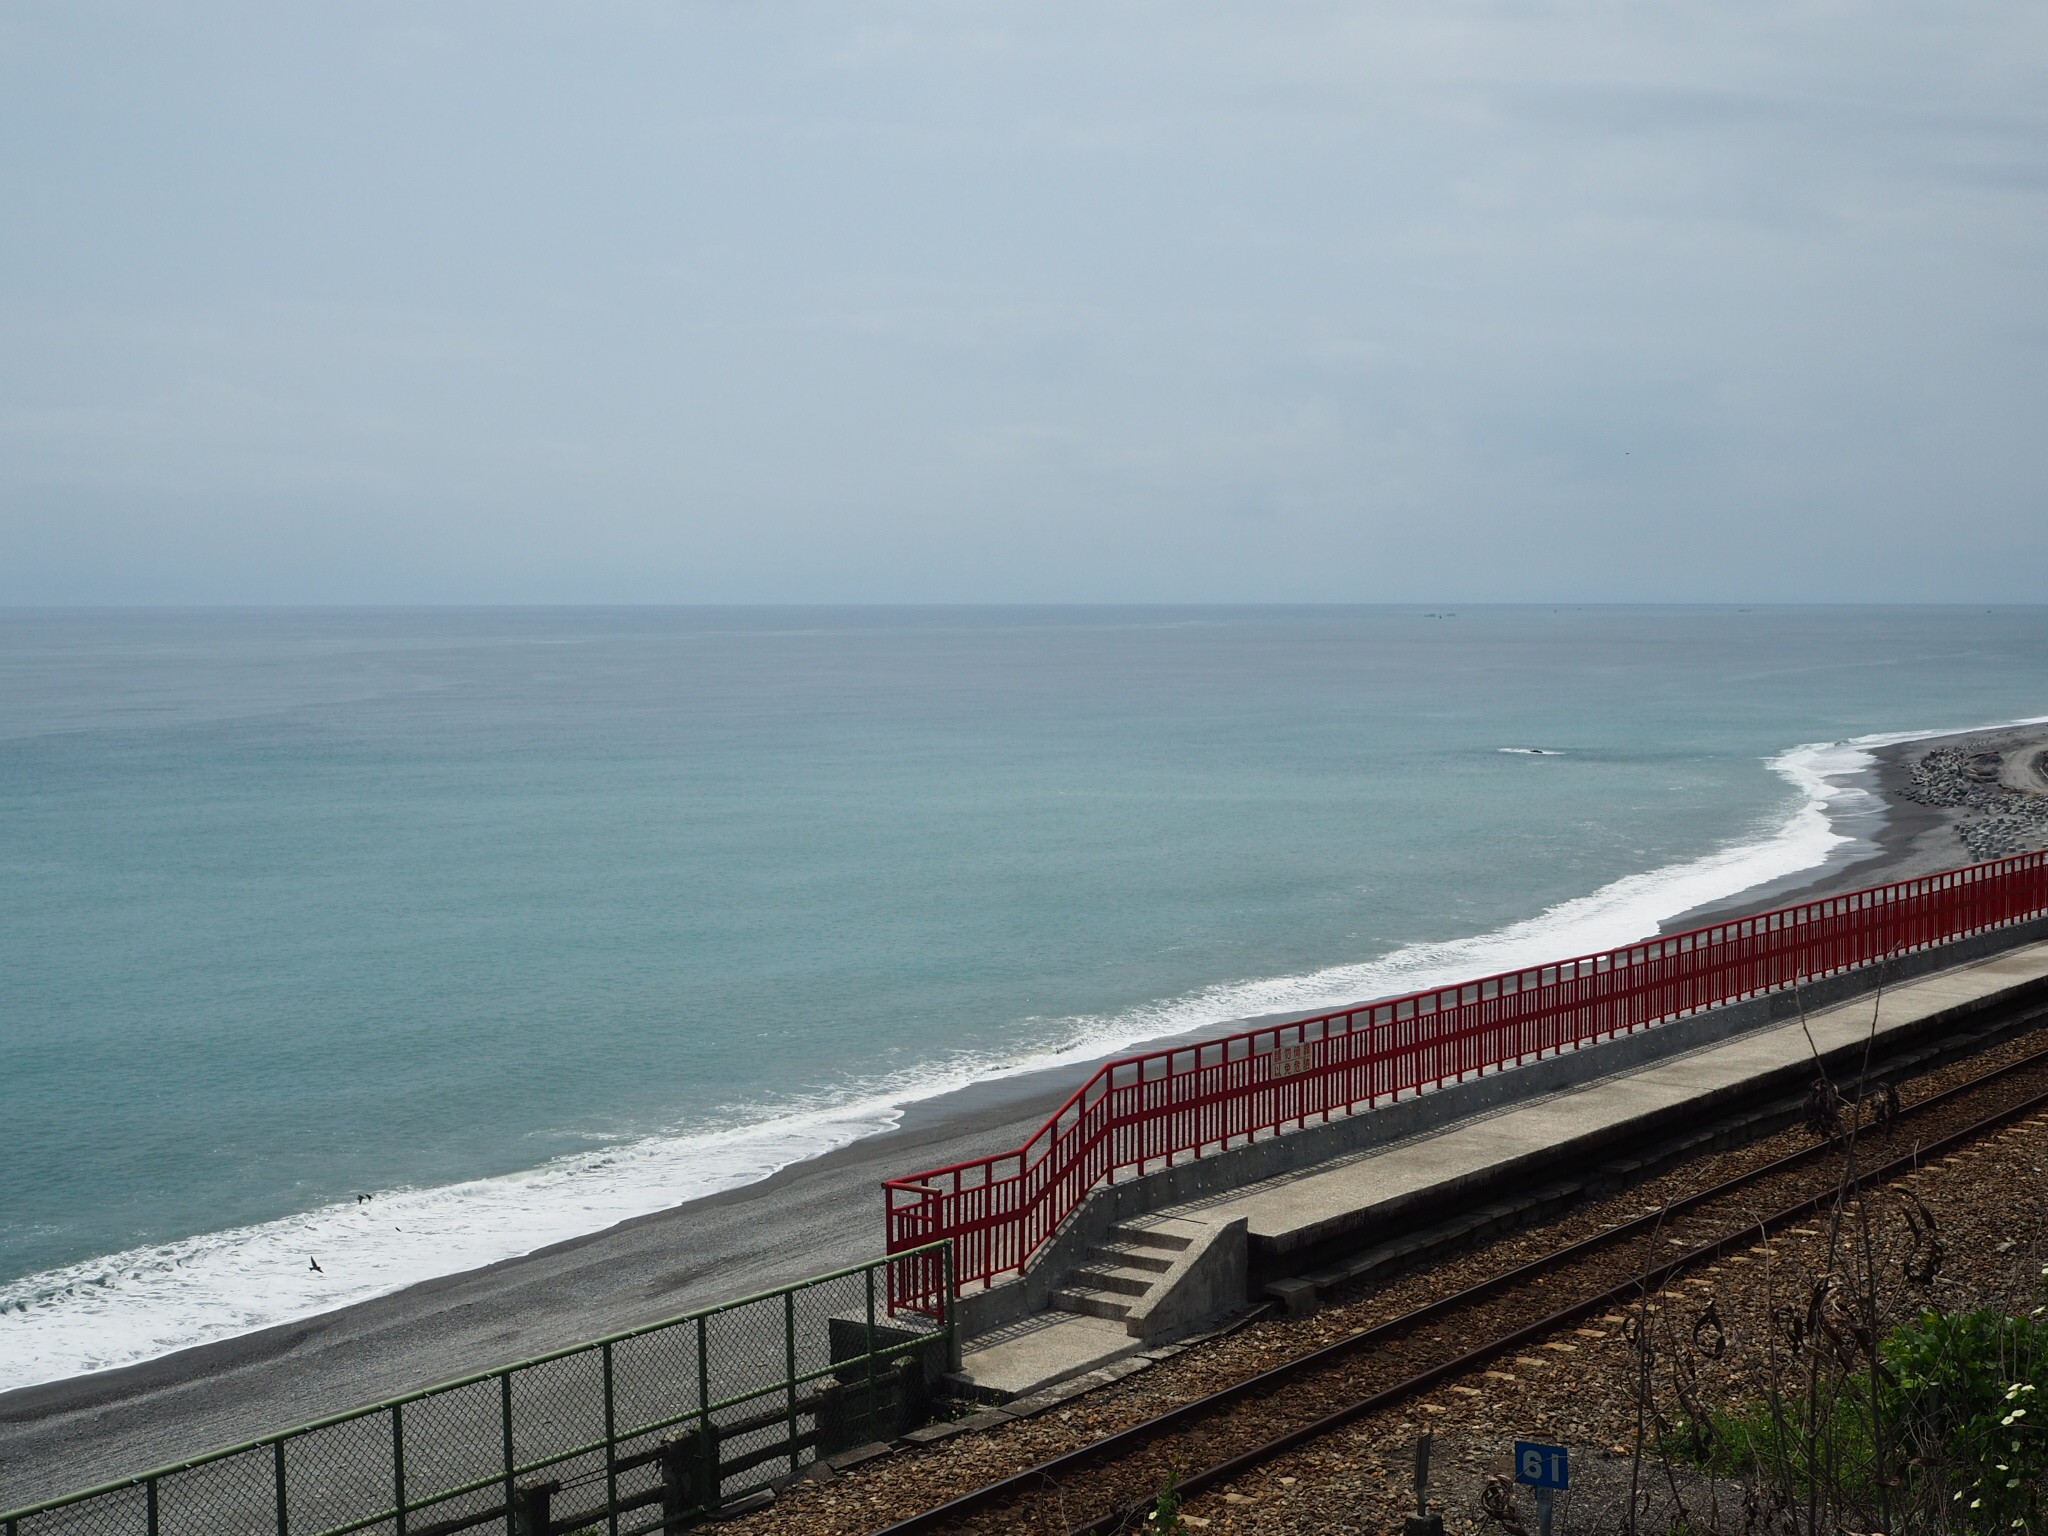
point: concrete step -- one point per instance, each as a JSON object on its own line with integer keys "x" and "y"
{"x": 1125, "y": 1276}
{"x": 1162, "y": 1240}
{"x": 1161, "y": 1278}
{"x": 1110, "y": 1277}
{"x": 1155, "y": 1261}
{"x": 1090, "y": 1302}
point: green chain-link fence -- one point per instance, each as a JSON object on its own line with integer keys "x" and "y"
{"x": 644, "y": 1431}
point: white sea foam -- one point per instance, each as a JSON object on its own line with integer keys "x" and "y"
{"x": 149, "y": 1301}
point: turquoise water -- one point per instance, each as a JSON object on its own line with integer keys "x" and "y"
{"x": 530, "y": 920}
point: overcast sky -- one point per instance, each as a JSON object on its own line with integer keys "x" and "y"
{"x": 681, "y": 302}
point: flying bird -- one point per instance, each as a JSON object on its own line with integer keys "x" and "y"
{"x": 316, "y": 1266}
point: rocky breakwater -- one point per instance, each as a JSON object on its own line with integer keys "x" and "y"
{"x": 1998, "y": 794}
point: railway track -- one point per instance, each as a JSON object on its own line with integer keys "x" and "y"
{"x": 1108, "y": 1484}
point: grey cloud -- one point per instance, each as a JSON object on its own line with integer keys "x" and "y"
{"x": 688, "y": 302}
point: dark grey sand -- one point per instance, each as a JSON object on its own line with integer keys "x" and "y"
{"x": 814, "y": 1216}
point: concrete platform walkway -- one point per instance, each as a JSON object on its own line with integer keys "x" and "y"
{"x": 1316, "y": 1222}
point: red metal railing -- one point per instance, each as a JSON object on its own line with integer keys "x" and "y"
{"x": 1144, "y": 1112}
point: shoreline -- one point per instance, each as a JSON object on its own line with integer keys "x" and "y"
{"x": 810, "y": 1216}
{"x": 1911, "y": 839}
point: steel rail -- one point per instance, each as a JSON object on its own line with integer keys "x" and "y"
{"x": 1307, "y": 1365}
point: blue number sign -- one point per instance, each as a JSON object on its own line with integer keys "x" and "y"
{"x": 1542, "y": 1466}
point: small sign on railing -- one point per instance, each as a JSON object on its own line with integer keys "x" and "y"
{"x": 1289, "y": 1060}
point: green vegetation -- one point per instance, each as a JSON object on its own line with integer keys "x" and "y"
{"x": 1942, "y": 1427}
{"x": 1967, "y": 1389}
{"x": 1163, "y": 1519}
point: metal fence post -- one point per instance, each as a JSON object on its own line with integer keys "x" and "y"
{"x": 952, "y": 1320}
{"x": 398, "y": 1468}
{"x": 611, "y": 1448}
{"x": 682, "y": 1470}
{"x": 789, "y": 1359}
{"x": 149, "y": 1505}
{"x": 714, "y": 1485}
{"x": 277, "y": 1468}
{"x": 874, "y": 1414}
{"x": 534, "y": 1504}
{"x": 511, "y": 1471}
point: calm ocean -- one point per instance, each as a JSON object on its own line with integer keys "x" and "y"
{"x": 530, "y": 921}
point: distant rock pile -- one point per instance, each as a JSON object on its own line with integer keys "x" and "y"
{"x": 2007, "y": 820}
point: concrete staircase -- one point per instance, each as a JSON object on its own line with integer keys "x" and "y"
{"x": 1121, "y": 1272}
{"x": 1150, "y": 1281}
{"x": 1160, "y": 1275}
